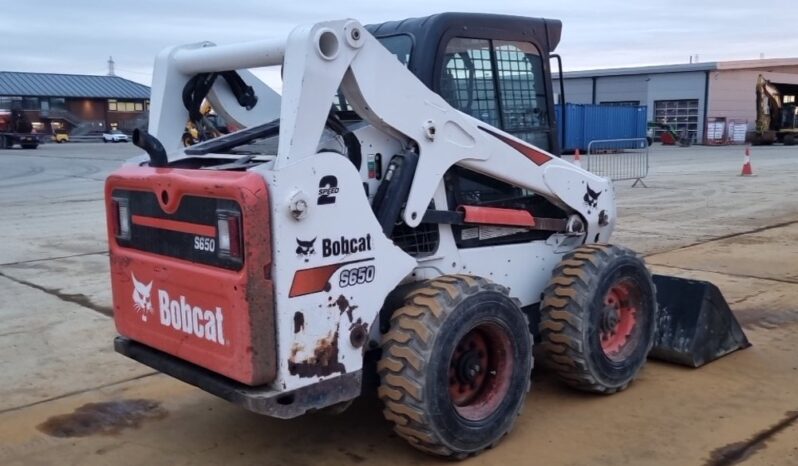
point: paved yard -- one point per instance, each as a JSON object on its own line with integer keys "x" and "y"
{"x": 696, "y": 219}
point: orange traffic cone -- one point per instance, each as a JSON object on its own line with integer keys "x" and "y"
{"x": 577, "y": 159}
{"x": 747, "y": 170}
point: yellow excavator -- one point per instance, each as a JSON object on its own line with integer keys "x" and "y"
{"x": 204, "y": 128}
{"x": 776, "y": 115}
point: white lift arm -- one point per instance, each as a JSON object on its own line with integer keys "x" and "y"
{"x": 321, "y": 58}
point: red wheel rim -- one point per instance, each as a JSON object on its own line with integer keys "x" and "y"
{"x": 480, "y": 370}
{"x": 619, "y": 320}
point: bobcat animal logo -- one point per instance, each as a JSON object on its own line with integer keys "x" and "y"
{"x": 591, "y": 197}
{"x": 305, "y": 248}
{"x": 142, "y": 300}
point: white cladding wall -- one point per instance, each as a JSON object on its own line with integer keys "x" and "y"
{"x": 643, "y": 88}
{"x": 577, "y": 91}
{"x": 622, "y": 89}
{"x": 732, "y": 93}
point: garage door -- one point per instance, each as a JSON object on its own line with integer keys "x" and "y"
{"x": 679, "y": 114}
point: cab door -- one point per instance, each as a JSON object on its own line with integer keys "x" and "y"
{"x": 501, "y": 82}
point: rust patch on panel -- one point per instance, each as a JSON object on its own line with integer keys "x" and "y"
{"x": 323, "y": 362}
{"x": 107, "y": 418}
{"x": 344, "y": 306}
{"x": 299, "y": 322}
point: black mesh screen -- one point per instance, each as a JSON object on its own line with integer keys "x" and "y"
{"x": 499, "y": 82}
{"x": 467, "y": 79}
{"x": 418, "y": 242}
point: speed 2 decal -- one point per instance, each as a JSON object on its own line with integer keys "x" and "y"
{"x": 328, "y": 188}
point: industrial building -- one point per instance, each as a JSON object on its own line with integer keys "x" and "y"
{"x": 80, "y": 104}
{"x": 686, "y": 96}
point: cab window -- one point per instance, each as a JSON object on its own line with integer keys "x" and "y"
{"x": 499, "y": 82}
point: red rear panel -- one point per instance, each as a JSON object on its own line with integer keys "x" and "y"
{"x": 174, "y": 288}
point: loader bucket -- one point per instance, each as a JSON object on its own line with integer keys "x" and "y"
{"x": 694, "y": 325}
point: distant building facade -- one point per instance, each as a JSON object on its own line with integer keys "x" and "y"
{"x": 685, "y": 96}
{"x": 80, "y": 104}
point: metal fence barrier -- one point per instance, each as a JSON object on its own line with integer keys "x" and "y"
{"x": 619, "y": 159}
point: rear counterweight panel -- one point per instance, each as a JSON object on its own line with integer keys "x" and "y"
{"x": 217, "y": 314}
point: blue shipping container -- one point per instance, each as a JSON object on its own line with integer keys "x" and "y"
{"x": 585, "y": 123}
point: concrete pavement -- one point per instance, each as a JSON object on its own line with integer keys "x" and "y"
{"x": 696, "y": 219}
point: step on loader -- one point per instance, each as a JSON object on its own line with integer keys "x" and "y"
{"x": 401, "y": 201}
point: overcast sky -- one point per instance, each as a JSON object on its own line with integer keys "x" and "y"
{"x": 77, "y": 36}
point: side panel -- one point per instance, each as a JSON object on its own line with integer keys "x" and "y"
{"x": 524, "y": 268}
{"x": 333, "y": 268}
{"x": 219, "y": 318}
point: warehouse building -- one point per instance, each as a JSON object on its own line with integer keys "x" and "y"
{"x": 80, "y": 104}
{"x": 688, "y": 96}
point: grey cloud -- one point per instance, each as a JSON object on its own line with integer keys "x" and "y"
{"x": 77, "y": 36}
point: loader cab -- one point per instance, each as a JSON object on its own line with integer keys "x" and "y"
{"x": 492, "y": 67}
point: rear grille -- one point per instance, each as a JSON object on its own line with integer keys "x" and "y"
{"x": 189, "y": 233}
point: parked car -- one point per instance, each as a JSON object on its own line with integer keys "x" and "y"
{"x": 60, "y": 135}
{"x": 115, "y": 136}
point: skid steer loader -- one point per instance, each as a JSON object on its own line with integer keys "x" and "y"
{"x": 400, "y": 202}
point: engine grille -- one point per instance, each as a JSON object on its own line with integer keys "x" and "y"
{"x": 418, "y": 242}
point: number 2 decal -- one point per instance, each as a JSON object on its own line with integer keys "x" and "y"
{"x": 328, "y": 188}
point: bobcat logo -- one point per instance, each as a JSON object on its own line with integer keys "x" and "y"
{"x": 591, "y": 197}
{"x": 142, "y": 301}
{"x": 305, "y": 248}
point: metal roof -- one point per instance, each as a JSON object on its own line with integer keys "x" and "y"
{"x": 13, "y": 83}
{"x": 683, "y": 68}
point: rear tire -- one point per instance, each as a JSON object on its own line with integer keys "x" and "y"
{"x": 789, "y": 140}
{"x": 598, "y": 318}
{"x": 456, "y": 365}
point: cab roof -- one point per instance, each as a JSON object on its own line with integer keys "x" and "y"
{"x": 430, "y": 33}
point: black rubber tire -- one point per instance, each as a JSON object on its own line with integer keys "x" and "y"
{"x": 4, "y": 143}
{"x": 789, "y": 140}
{"x": 571, "y": 314}
{"x": 415, "y": 364}
{"x": 30, "y": 146}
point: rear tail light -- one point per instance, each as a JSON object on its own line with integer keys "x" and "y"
{"x": 229, "y": 231}
{"x": 121, "y": 211}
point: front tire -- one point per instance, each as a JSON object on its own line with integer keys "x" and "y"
{"x": 598, "y": 318}
{"x": 455, "y": 366}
